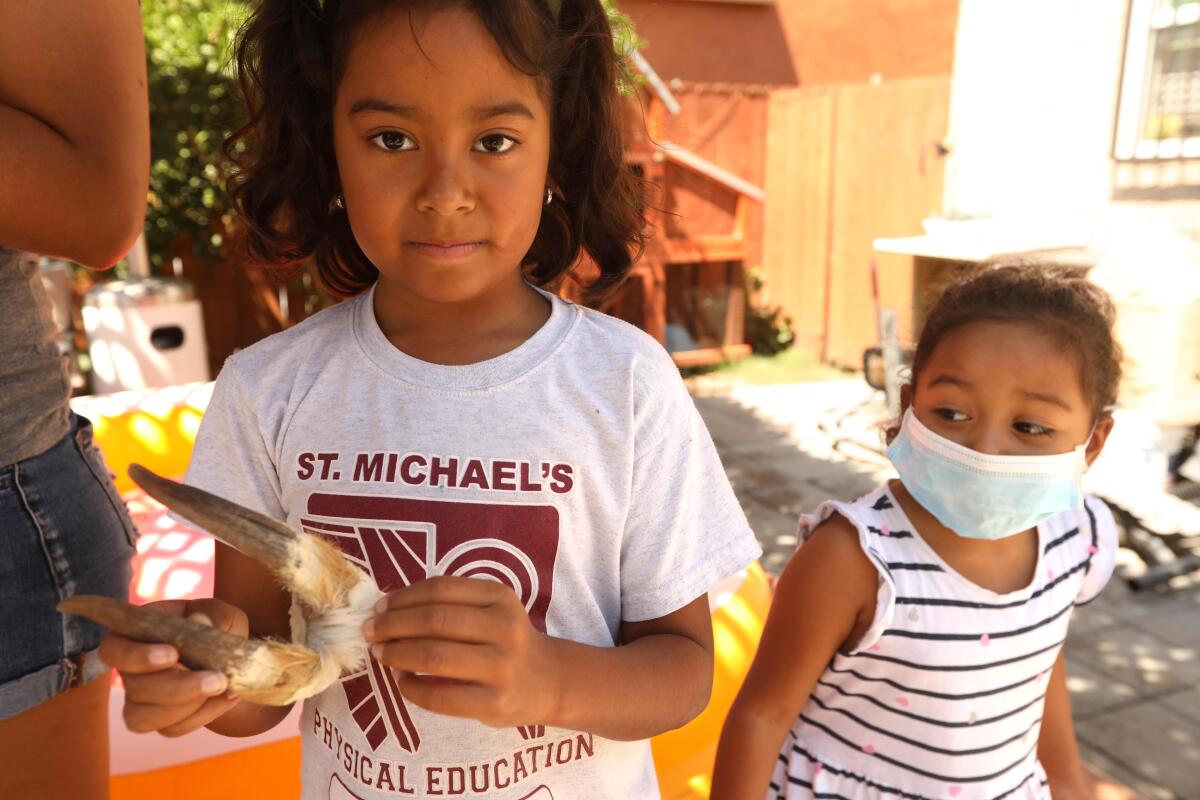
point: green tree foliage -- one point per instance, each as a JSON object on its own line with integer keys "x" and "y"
{"x": 193, "y": 107}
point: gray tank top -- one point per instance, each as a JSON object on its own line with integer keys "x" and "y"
{"x": 33, "y": 376}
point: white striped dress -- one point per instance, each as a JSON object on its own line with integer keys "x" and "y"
{"x": 943, "y": 696}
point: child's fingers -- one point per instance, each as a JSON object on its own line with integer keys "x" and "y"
{"x": 130, "y": 657}
{"x": 456, "y": 700}
{"x": 453, "y": 622}
{"x": 175, "y": 687}
{"x": 462, "y": 662}
{"x": 218, "y": 614}
{"x": 447, "y": 589}
{"x": 210, "y": 710}
{"x": 147, "y": 717}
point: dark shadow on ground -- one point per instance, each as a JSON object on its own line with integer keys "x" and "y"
{"x": 775, "y": 481}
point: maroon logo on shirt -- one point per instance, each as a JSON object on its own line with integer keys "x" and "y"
{"x": 401, "y": 541}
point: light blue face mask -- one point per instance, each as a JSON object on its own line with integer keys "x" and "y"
{"x": 982, "y": 496}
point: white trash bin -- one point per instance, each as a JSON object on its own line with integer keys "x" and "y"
{"x": 144, "y": 333}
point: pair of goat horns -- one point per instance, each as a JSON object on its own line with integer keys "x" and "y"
{"x": 332, "y": 598}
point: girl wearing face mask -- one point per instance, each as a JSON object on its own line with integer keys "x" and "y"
{"x": 914, "y": 644}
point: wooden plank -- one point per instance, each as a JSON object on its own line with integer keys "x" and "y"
{"x": 717, "y": 174}
{"x": 887, "y": 178}
{"x": 735, "y": 309}
{"x": 686, "y": 359}
{"x": 797, "y": 211}
{"x": 703, "y": 249}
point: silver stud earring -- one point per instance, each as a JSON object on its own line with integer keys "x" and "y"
{"x": 339, "y": 201}
{"x": 549, "y": 195}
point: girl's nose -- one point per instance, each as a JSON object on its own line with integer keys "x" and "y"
{"x": 989, "y": 440}
{"x": 446, "y": 189}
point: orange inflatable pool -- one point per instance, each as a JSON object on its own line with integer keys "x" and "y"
{"x": 174, "y": 561}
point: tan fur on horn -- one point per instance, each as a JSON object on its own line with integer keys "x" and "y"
{"x": 308, "y": 566}
{"x": 332, "y": 597}
{"x": 260, "y": 670}
{"x": 328, "y": 616}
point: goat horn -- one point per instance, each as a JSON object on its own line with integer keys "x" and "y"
{"x": 267, "y": 541}
{"x": 260, "y": 670}
{"x": 306, "y": 565}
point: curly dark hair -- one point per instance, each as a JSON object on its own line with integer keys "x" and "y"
{"x": 290, "y": 57}
{"x": 1059, "y": 301}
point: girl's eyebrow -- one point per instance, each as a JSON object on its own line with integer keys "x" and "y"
{"x": 1053, "y": 400}
{"x": 374, "y": 104}
{"x": 945, "y": 378}
{"x": 513, "y": 108}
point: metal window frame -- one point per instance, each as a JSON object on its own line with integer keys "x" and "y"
{"x": 1142, "y": 24}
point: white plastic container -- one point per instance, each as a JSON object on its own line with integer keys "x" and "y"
{"x": 144, "y": 333}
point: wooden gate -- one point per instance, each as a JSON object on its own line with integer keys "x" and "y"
{"x": 845, "y": 165}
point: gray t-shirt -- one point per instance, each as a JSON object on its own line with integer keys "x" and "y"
{"x": 574, "y": 469}
{"x": 33, "y": 376}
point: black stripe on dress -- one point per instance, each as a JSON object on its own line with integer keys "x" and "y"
{"x": 1071, "y": 534}
{"x": 1095, "y": 536}
{"x": 930, "y": 748}
{"x": 1093, "y": 550}
{"x": 818, "y": 795}
{"x": 959, "y": 667}
{"x": 882, "y": 787}
{"x": 915, "y": 770}
{"x": 968, "y": 637}
{"x": 915, "y": 566}
{"x": 928, "y": 720}
{"x": 938, "y": 695}
{"x": 864, "y": 780}
{"x": 937, "y": 601}
{"x": 891, "y": 534}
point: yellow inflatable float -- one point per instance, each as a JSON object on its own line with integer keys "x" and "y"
{"x": 157, "y": 429}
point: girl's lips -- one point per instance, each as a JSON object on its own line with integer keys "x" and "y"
{"x": 445, "y": 252}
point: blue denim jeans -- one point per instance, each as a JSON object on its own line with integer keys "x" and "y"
{"x": 64, "y": 530}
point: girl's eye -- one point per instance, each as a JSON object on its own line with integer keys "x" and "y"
{"x": 1032, "y": 429}
{"x": 950, "y": 415}
{"x": 393, "y": 141}
{"x": 495, "y": 144}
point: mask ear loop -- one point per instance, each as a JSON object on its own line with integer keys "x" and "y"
{"x": 1104, "y": 412}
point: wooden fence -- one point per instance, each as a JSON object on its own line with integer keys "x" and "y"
{"x": 845, "y": 165}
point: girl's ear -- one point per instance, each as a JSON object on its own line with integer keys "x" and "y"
{"x": 1104, "y": 427}
{"x": 906, "y": 396}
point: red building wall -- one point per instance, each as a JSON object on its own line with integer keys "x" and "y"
{"x": 796, "y": 42}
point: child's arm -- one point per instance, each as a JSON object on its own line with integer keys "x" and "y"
{"x": 825, "y": 598}
{"x": 1057, "y": 749}
{"x": 504, "y": 672}
{"x": 244, "y": 583}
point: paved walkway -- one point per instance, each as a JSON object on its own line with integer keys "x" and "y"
{"x": 1134, "y": 659}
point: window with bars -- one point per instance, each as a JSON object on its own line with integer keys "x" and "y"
{"x": 1159, "y": 114}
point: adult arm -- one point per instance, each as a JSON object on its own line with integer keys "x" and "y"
{"x": 74, "y": 128}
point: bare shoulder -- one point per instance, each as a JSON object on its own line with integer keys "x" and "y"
{"x": 832, "y": 563}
